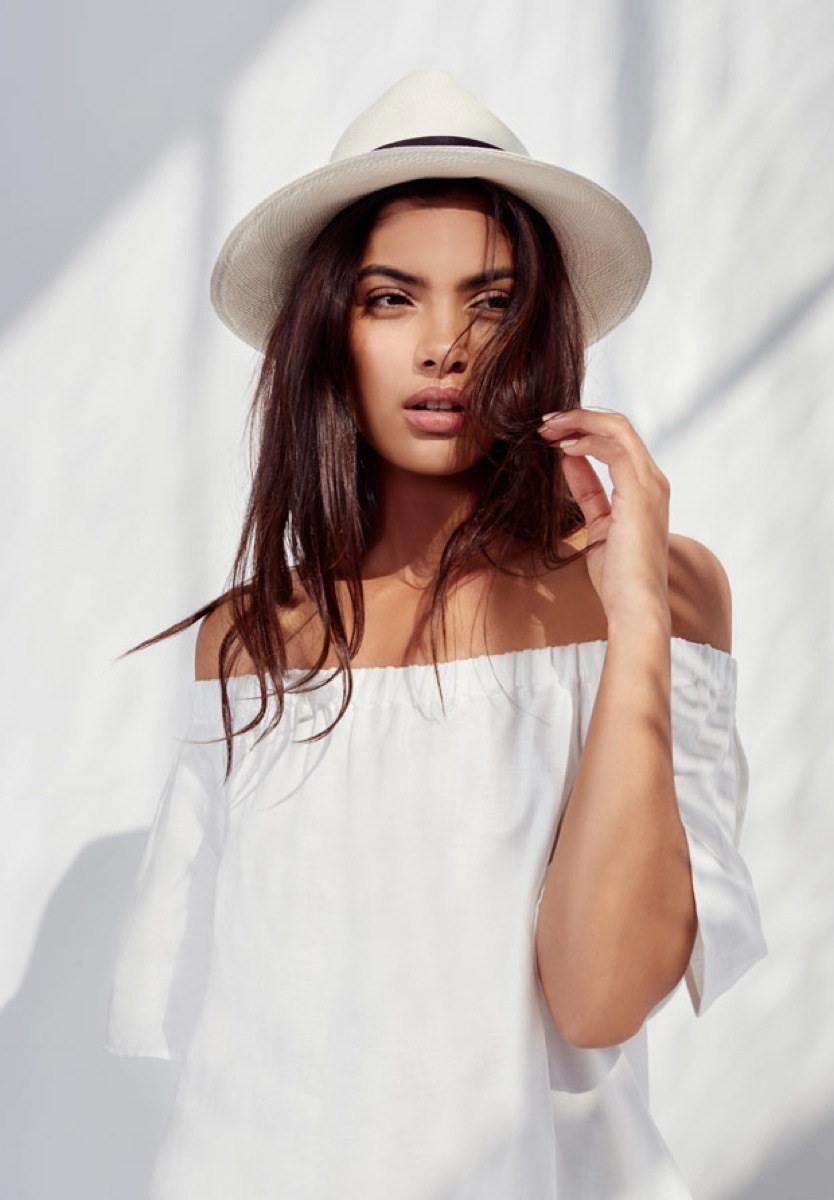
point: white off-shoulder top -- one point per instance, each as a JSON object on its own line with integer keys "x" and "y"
{"x": 339, "y": 942}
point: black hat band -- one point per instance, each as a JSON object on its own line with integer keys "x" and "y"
{"x": 439, "y": 141}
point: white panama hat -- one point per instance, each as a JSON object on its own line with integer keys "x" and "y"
{"x": 428, "y": 126}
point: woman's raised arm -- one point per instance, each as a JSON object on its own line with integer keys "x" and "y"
{"x": 617, "y": 918}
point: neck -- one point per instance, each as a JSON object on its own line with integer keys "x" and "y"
{"x": 416, "y": 514}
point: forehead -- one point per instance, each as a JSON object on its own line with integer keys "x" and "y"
{"x": 458, "y": 226}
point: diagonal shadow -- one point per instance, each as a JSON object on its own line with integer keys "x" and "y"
{"x": 805, "y": 1172}
{"x": 637, "y": 69}
{"x": 76, "y": 1122}
{"x": 770, "y": 339}
{"x": 91, "y": 94}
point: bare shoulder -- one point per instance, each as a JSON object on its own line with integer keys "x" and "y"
{"x": 213, "y": 629}
{"x": 297, "y": 628}
{"x": 699, "y": 594}
{"x": 565, "y": 607}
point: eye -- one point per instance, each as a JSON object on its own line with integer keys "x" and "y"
{"x": 492, "y": 303}
{"x": 383, "y": 301}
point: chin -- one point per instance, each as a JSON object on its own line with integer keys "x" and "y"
{"x": 443, "y": 465}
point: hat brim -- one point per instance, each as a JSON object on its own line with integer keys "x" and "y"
{"x": 605, "y": 250}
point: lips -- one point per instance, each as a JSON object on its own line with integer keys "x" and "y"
{"x": 436, "y": 410}
{"x": 437, "y": 399}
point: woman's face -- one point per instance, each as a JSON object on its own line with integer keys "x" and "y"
{"x": 434, "y": 283}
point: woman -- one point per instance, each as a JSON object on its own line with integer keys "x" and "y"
{"x": 463, "y": 807}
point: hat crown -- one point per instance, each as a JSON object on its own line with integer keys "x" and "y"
{"x": 425, "y": 104}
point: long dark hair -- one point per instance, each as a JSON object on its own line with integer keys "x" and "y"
{"x": 311, "y": 504}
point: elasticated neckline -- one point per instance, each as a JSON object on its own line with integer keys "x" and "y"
{"x": 509, "y": 673}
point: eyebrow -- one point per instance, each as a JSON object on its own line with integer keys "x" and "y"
{"x": 465, "y": 285}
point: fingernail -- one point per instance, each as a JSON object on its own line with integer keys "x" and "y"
{"x": 565, "y": 442}
{"x": 549, "y": 416}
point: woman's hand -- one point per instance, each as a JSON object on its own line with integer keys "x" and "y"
{"x": 629, "y": 566}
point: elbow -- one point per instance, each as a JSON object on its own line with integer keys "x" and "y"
{"x": 596, "y": 1029}
{"x": 607, "y": 1011}
{"x": 593, "y": 1010}
{"x": 601, "y": 991}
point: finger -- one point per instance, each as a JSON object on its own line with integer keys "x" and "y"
{"x": 576, "y": 422}
{"x": 586, "y": 488}
{"x": 632, "y": 472}
{"x": 611, "y": 439}
{"x": 611, "y": 451}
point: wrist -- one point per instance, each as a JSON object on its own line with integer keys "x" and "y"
{"x": 645, "y": 622}
{"x": 638, "y": 664}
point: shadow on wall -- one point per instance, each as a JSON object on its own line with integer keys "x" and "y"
{"x": 92, "y": 94}
{"x": 75, "y": 1121}
{"x": 806, "y": 1172}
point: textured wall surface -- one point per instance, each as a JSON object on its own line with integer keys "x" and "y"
{"x": 134, "y": 136}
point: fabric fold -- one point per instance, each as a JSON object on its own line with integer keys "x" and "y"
{"x": 165, "y": 949}
{"x": 711, "y": 779}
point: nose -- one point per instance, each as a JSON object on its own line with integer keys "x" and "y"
{"x": 442, "y": 348}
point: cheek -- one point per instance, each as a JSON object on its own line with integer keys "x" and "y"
{"x": 368, "y": 381}
{"x": 362, "y": 384}
{"x": 377, "y": 359}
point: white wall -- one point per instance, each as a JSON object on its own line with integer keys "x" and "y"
{"x": 134, "y": 136}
